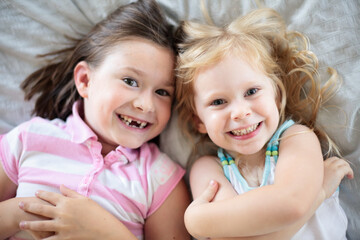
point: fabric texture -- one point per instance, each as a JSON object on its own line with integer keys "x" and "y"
{"x": 29, "y": 28}
{"x": 130, "y": 183}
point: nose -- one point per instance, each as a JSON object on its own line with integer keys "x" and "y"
{"x": 240, "y": 110}
{"x": 144, "y": 102}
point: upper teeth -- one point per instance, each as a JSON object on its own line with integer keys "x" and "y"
{"x": 244, "y": 131}
{"x": 128, "y": 120}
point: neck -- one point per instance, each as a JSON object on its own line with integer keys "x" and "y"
{"x": 253, "y": 160}
{"x": 251, "y": 167}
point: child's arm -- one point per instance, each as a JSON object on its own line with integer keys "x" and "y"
{"x": 8, "y": 207}
{"x": 77, "y": 217}
{"x": 167, "y": 222}
{"x": 298, "y": 179}
{"x": 10, "y": 213}
{"x": 335, "y": 170}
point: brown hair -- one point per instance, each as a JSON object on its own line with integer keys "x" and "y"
{"x": 260, "y": 37}
{"x": 53, "y": 84}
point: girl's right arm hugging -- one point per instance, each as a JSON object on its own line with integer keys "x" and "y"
{"x": 11, "y": 214}
{"x": 207, "y": 169}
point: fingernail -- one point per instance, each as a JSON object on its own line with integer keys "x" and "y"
{"x": 21, "y": 205}
{"x": 22, "y": 225}
{"x": 212, "y": 183}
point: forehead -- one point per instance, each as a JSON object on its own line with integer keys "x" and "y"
{"x": 232, "y": 73}
{"x": 142, "y": 57}
{"x": 230, "y": 66}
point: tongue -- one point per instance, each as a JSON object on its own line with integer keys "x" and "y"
{"x": 133, "y": 123}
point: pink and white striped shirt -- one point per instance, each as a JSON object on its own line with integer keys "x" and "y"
{"x": 129, "y": 183}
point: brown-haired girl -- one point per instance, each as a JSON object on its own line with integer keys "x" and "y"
{"x": 98, "y": 104}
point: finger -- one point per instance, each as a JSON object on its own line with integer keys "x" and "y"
{"x": 38, "y": 209}
{"x": 40, "y": 235}
{"x": 51, "y": 197}
{"x": 343, "y": 168}
{"x": 349, "y": 172}
{"x": 69, "y": 192}
{"x": 210, "y": 191}
{"x": 38, "y": 226}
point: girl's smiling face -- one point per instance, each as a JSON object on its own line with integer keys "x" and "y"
{"x": 127, "y": 99}
{"x": 236, "y": 105}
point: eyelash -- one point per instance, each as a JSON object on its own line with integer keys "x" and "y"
{"x": 128, "y": 81}
{"x": 164, "y": 91}
{"x": 216, "y": 102}
{"x": 251, "y": 90}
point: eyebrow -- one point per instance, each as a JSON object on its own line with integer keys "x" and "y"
{"x": 135, "y": 70}
{"x": 169, "y": 83}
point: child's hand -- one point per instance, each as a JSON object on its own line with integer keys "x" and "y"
{"x": 27, "y": 216}
{"x": 72, "y": 216}
{"x": 40, "y": 235}
{"x": 191, "y": 212}
{"x": 335, "y": 169}
{"x": 208, "y": 195}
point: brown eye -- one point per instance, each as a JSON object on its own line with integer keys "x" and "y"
{"x": 162, "y": 92}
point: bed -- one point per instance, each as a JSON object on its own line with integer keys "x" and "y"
{"x": 28, "y": 28}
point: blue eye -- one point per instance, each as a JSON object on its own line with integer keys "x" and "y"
{"x": 217, "y": 102}
{"x": 162, "y": 92}
{"x": 251, "y": 91}
{"x": 130, "y": 82}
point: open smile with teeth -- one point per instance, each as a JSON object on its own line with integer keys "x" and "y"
{"x": 132, "y": 123}
{"x": 244, "y": 131}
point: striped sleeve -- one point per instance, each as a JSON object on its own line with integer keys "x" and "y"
{"x": 11, "y": 149}
{"x": 163, "y": 175}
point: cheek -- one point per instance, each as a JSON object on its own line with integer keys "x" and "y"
{"x": 212, "y": 122}
{"x": 164, "y": 111}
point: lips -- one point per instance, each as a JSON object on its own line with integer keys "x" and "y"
{"x": 133, "y": 123}
{"x": 245, "y": 131}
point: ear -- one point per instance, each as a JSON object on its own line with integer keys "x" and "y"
{"x": 82, "y": 78}
{"x": 200, "y": 125}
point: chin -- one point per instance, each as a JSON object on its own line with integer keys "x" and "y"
{"x": 132, "y": 145}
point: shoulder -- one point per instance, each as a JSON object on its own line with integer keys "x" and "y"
{"x": 298, "y": 129}
{"x": 299, "y": 139}
{"x": 27, "y": 126}
{"x": 206, "y": 164}
{"x": 150, "y": 152}
{"x": 207, "y": 160}
{"x": 42, "y": 124}
{"x": 155, "y": 160}
{"x": 205, "y": 169}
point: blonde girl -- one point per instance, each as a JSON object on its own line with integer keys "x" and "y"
{"x": 251, "y": 89}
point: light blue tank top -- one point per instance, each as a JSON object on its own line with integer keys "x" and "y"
{"x": 329, "y": 221}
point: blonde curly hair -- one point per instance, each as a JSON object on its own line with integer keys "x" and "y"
{"x": 261, "y": 38}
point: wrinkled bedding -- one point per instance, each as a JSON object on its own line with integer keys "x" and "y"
{"x": 28, "y": 28}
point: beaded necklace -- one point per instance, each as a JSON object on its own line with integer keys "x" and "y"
{"x": 272, "y": 150}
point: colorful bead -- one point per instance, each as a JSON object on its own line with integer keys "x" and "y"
{"x": 268, "y": 153}
{"x": 231, "y": 162}
{"x": 224, "y": 163}
{"x": 274, "y": 153}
